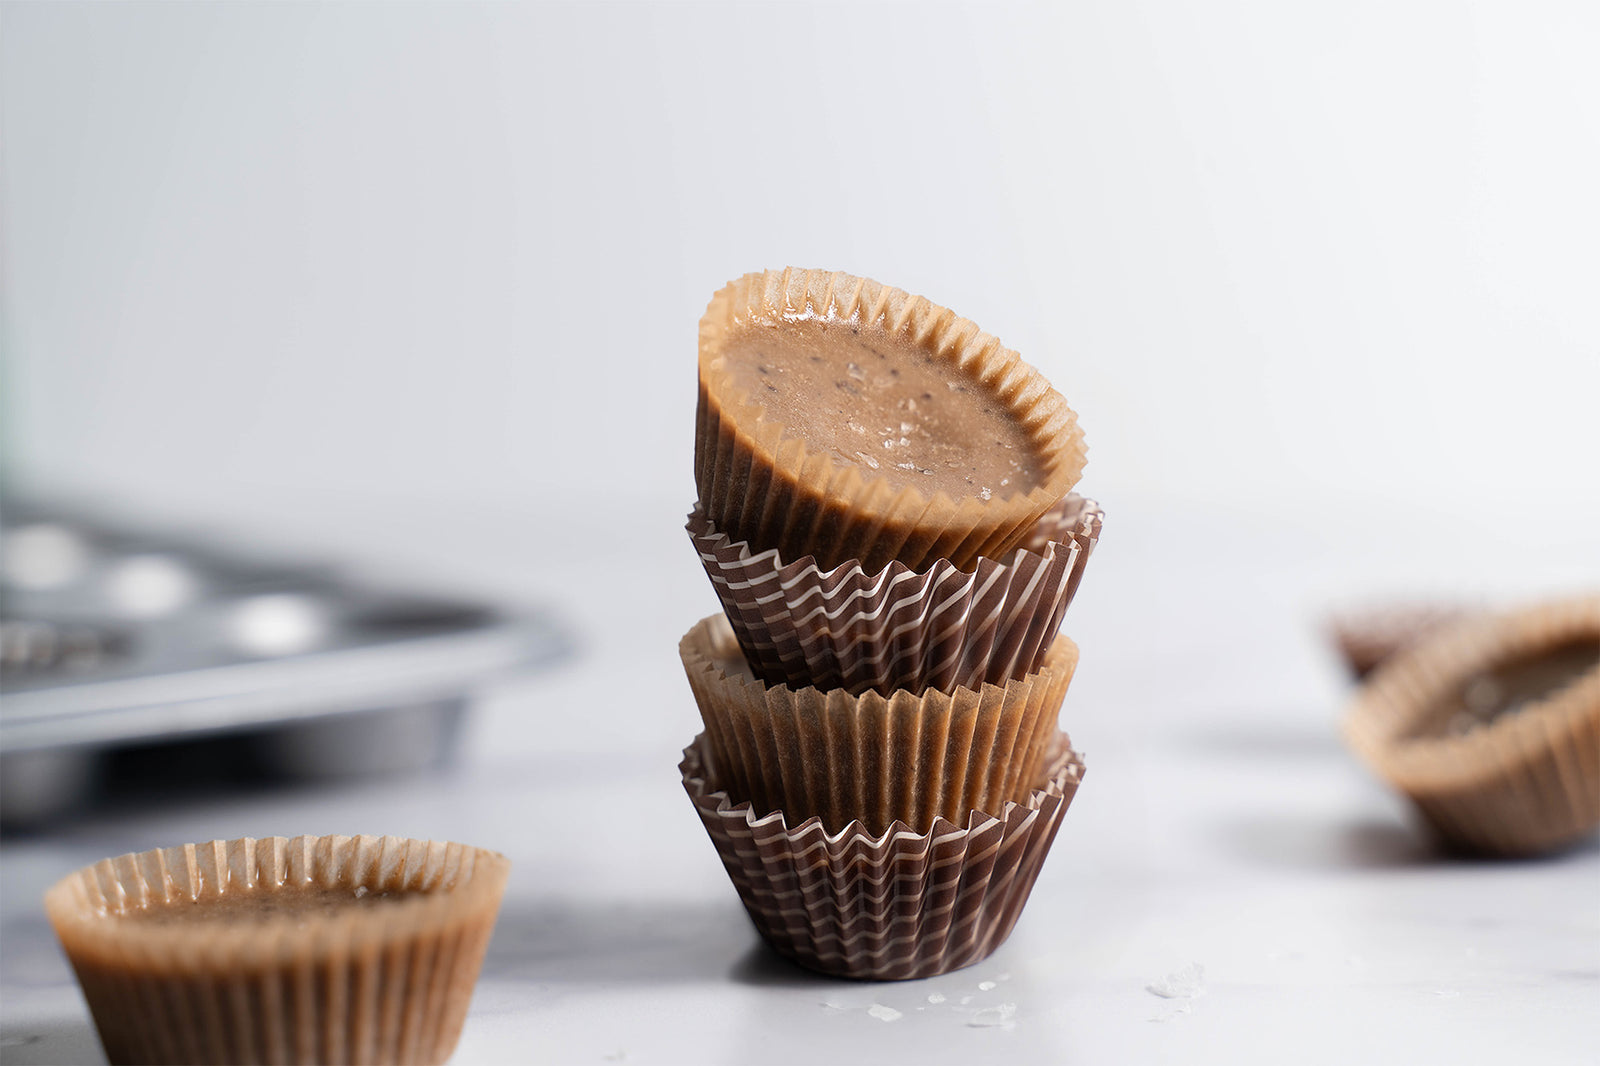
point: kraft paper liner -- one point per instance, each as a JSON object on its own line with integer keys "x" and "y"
{"x": 1525, "y": 782}
{"x": 888, "y": 906}
{"x": 385, "y": 981}
{"x": 944, "y": 627}
{"x": 760, "y": 486}
{"x": 869, "y": 758}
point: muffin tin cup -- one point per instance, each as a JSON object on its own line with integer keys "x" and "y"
{"x": 381, "y": 981}
{"x": 893, "y": 905}
{"x": 1521, "y": 784}
{"x": 760, "y": 486}
{"x": 847, "y": 628}
{"x": 872, "y": 759}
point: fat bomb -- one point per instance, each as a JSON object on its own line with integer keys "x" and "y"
{"x": 888, "y": 907}
{"x": 940, "y": 627}
{"x": 1492, "y": 727}
{"x": 311, "y": 950}
{"x": 872, "y": 760}
{"x": 848, "y": 421}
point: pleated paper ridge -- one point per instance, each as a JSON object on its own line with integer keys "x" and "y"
{"x": 906, "y": 757}
{"x": 1524, "y": 783}
{"x": 382, "y": 983}
{"x": 766, "y": 489}
{"x": 889, "y": 905}
{"x": 847, "y": 628}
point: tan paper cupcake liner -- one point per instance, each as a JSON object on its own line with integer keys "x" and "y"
{"x": 383, "y": 975}
{"x": 1522, "y": 783}
{"x": 896, "y": 628}
{"x": 892, "y": 905}
{"x": 760, "y": 486}
{"x": 877, "y": 760}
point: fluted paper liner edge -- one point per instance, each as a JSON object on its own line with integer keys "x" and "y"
{"x": 760, "y": 486}
{"x": 893, "y": 905}
{"x": 943, "y": 627}
{"x": 1524, "y": 783}
{"x": 385, "y": 982}
{"x": 870, "y": 758}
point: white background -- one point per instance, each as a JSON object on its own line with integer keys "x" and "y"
{"x": 1307, "y": 257}
{"x": 418, "y": 285}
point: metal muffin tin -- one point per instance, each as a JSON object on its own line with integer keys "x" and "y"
{"x": 112, "y": 636}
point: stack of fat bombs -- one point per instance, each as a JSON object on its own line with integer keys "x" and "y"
{"x": 885, "y": 512}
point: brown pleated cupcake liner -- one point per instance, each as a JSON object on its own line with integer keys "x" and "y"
{"x": 944, "y": 627}
{"x": 1366, "y": 638}
{"x": 892, "y": 905}
{"x": 384, "y": 974}
{"x": 759, "y": 486}
{"x": 872, "y": 759}
{"x": 1521, "y": 783}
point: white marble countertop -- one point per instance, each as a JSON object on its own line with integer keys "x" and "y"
{"x": 1224, "y": 845}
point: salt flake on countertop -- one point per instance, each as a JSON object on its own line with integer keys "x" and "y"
{"x": 885, "y": 1014}
{"x": 987, "y": 986}
{"x": 994, "y": 1017}
{"x": 1186, "y": 982}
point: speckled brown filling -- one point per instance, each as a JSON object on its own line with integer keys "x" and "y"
{"x": 879, "y": 401}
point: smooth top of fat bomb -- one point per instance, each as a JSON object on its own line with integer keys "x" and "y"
{"x": 880, "y": 401}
